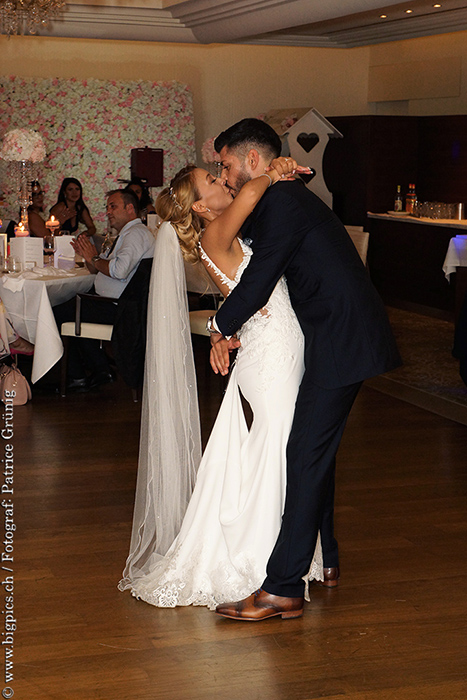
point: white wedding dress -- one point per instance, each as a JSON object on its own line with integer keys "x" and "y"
{"x": 234, "y": 515}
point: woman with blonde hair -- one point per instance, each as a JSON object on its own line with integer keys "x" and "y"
{"x": 217, "y": 550}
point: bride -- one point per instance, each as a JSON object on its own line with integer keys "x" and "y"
{"x": 218, "y": 551}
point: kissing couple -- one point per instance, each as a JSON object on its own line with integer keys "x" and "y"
{"x": 309, "y": 327}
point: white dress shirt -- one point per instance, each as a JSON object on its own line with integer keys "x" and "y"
{"x": 134, "y": 243}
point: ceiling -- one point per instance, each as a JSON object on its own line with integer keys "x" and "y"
{"x": 320, "y": 23}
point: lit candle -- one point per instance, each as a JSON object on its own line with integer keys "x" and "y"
{"x": 21, "y": 230}
{"x": 52, "y": 224}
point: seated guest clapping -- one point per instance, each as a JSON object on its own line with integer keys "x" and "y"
{"x": 114, "y": 268}
{"x": 70, "y": 209}
{"x": 142, "y": 192}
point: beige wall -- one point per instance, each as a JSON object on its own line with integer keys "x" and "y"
{"x": 426, "y": 49}
{"x": 230, "y": 82}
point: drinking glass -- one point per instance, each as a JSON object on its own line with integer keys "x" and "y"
{"x": 49, "y": 249}
{"x": 14, "y": 264}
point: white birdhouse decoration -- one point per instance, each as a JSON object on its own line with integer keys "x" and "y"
{"x": 307, "y": 140}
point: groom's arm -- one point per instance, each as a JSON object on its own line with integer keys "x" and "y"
{"x": 280, "y": 225}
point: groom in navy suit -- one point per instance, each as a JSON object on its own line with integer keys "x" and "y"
{"x": 347, "y": 339}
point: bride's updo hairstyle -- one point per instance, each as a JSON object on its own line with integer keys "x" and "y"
{"x": 174, "y": 204}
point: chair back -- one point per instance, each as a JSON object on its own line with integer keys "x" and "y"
{"x": 360, "y": 239}
{"x": 129, "y": 334}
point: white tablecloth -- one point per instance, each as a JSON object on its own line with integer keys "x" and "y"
{"x": 29, "y": 304}
{"x": 456, "y": 255}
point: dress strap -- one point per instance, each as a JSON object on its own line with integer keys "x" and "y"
{"x": 230, "y": 283}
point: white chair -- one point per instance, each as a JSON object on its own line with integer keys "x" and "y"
{"x": 354, "y": 228}
{"x": 78, "y": 329}
{"x": 130, "y": 324}
{"x": 360, "y": 239}
{"x": 198, "y": 320}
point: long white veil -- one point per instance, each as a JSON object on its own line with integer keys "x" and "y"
{"x": 170, "y": 440}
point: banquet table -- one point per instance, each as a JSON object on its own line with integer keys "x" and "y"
{"x": 456, "y": 261}
{"x": 456, "y": 255}
{"x": 29, "y": 297}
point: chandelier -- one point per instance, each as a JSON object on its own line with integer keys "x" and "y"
{"x": 27, "y": 16}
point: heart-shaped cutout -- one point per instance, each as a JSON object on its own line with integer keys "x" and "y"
{"x": 308, "y": 141}
{"x": 307, "y": 177}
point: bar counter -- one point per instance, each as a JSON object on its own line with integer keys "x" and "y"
{"x": 405, "y": 260}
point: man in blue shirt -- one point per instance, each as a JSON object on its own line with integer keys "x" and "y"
{"x": 113, "y": 268}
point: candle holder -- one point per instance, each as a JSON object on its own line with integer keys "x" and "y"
{"x": 21, "y": 230}
{"x": 53, "y": 226}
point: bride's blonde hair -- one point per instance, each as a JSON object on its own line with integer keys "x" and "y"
{"x": 174, "y": 204}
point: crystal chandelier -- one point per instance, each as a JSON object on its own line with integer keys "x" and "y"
{"x": 27, "y": 16}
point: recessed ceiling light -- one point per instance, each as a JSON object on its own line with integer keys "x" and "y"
{"x": 437, "y": 5}
{"x": 383, "y": 16}
{"x": 408, "y": 12}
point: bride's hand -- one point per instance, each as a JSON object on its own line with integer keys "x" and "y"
{"x": 221, "y": 347}
{"x": 285, "y": 168}
{"x": 282, "y": 168}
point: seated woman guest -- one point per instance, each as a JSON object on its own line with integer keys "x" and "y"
{"x": 70, "y": 209}
{"x": 137, "y": 185}
{"x": 36, "y": 217}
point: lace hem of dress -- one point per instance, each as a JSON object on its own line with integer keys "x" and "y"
{"x": 228, "y": 581}
{"x": 195, "y": 587}
{"x": 316, "y": 572}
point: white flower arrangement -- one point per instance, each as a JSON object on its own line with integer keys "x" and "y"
{"x": 23, "y": 145}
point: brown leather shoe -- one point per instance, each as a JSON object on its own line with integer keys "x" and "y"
{"x": 331, "y": 577}
{"x": 261, "y": 605}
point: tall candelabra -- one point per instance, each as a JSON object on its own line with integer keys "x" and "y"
{"x": 22, "y": 148}
{"x": 24, "y": 171}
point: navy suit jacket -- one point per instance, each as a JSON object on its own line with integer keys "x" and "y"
{"x": 347, "y": 333}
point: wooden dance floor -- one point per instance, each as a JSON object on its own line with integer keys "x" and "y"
{"x": 395, "y": 629}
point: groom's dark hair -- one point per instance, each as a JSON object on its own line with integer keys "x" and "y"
{"x": 253, "y": 133}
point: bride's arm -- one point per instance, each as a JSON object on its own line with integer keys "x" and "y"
{"x": 220, "y": 233}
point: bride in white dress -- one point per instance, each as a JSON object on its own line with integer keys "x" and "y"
{"x": 234, "y": 514}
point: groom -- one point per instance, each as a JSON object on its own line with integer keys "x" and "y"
{"x": 347, "y": 340}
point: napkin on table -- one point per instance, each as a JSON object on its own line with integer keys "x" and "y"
{"x": 15, "y": 282}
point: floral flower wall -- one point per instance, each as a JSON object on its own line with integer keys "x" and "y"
{"x": 89, "y": 128}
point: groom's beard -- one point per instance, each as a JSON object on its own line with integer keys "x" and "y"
{"x": 242, "y": 177}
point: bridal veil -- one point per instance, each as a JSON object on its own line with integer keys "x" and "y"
{"x": 170, "y": 439}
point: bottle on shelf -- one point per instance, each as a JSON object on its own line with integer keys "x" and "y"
{"x": 410, "y": 199}
{"x": 398, "y": 199}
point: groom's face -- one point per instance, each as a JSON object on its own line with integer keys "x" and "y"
{"x": 234, "y": 170}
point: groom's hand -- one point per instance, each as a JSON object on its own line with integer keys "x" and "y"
{"x": 221, "y": 347}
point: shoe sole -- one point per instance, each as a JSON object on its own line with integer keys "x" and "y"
{"x": 292, "y": 614}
